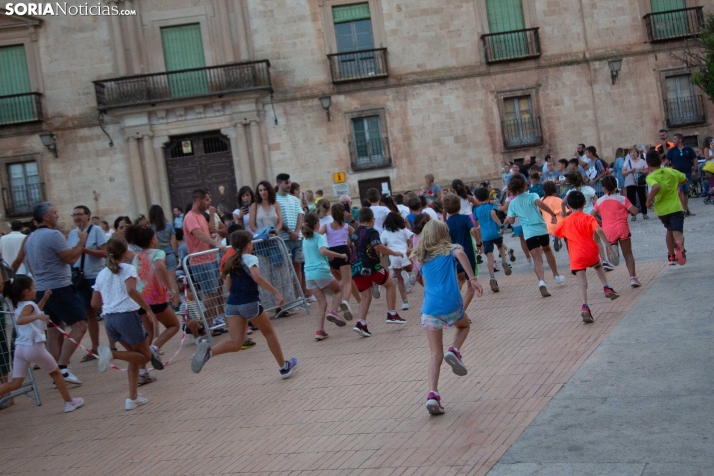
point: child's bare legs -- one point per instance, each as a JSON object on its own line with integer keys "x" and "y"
{"x": 321, "y": 307}
{"x": 583, "y": 284}
{"x": 491, "y": 262}
{"x": 550, "y": 257}
{"x": 436, "y": 349}
{"x": 16, "y": 383}
{"x": 170, "y": 322}
{"x": 678, "y": 236}
{"x": 469, "y": 290}
{"x": 56, "y": 375}
{"x": 538, "y": 263}
{"x": 192, "y": 326}
{"x": 337, "y": 295}
{"x": 237, "y": 327}
{"x": 391, "y": 288}
{"x": 364, "y": 303}
{"x": 137, "y": 356}
{"x": 262, "y": 322}
{"x": 400, "y": 283}
{"x": 525, "y": 249}
{"x": 600, "y": 248}
{"x": 462, "y": 331}
{"x": 344, "y": 276}
{"x": 626, "y": 247}
{"x": 600, "y": 274}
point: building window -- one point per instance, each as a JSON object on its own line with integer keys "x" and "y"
{"x": 506, "y": 17}
{"x": 183, "y": 49}
{"x": 692, "y": 141}
{"x": 369, "y": 146}
{"x": 357, "y": 57}
{"x": 17, "y": 101}
{"x": 520, "y": 126}
{"x": 25, "y": 188}
{"x": 682, "y": 106}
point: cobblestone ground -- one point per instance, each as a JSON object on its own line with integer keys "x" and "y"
{"x": 355, "y": 405}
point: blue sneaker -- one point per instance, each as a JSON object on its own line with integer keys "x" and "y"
{"x": 289, "y": 367}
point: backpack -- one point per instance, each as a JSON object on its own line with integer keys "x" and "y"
{"x": 6, "y": 270}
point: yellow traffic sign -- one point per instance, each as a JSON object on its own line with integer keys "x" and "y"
{"x": 339, "y": 177}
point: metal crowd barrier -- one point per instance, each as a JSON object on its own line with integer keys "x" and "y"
{"x": 207, "y": 286}
{"x": 7, "y": 351}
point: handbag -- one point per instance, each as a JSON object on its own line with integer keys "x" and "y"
{"x": 641, "y": 178}
{"x": 78, "y": 273}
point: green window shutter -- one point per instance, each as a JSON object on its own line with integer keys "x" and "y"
{"x": 15, "y": 79}
{"x": 369, "y": 144}
{"x": 360, "y": 138}
{"x": 667, "y": 5}
{"x": 350, "y": 13}
{"x": 183, "y": 49}
{"x": 507, "y": 16}
{"x": 669, "y": 25}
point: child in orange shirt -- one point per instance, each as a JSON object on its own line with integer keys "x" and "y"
{"x": 578, "y": 228}
{"x": 553, "y": 200}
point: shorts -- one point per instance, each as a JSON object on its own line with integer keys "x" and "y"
{"x": 64, "y": 305}
{"x": 673, "y": 221}
{"x": 319, "y": 283}
{"x": 597, "y": 262}
{"x": 441, "y": 321}
{"x": 125, "y": 327}
{"x": 489, "y": 245}
{"x": 618, "y": 239}
{"x": 206, "y": 277}
{"x": 337, "y": 263}
{"x": 363, "y": 283}
{"x": 27, "y": 354}
{"x": 518, "y": 230}
{"x": 295, "y": 250}
{"x": 85, "y": 292}
{"x": 685, "y": 188}
{"x": 537, "y": 241}
{"x": 171, "y": 261}
{"x": 397, "y": 262}
{"x": 155, "y": 308}
{"x": 246, "y": 311}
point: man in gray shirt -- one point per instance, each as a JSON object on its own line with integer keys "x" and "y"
{"x": 94, "y": 255}
{"x": 50, "y": 258}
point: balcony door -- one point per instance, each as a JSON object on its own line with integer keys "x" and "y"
{"x": 681, "y": 103}
{"x": 519, "y": 123}
{"x": 672, "y": 24}
{"x": 183, "y": 49}
{"x": 369, "y": 145}
{"x": 353, "y": 33}
{"x": 507, "y": 16}
{"x": 14, "y": 79}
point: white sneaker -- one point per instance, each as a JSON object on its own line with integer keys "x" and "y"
{"x": 312, "y": 299}
{"x": 559, "y": 279}
{"x": 73, "y": 405}
{"x": 69, "y": 377}
{"x": 529, "y": 261}
{"x": 133, "y": 404}
{"x": 405, "y": 306}
{"x": 412, "y": 277}
{"x": 543, "y": 289}
{"x": 405, "y": 276}
{"x": 375, "y": 291}
{"x": 607, "y": 266}
{"x": 346, "y": 310}
{"x": 105, "y": 356}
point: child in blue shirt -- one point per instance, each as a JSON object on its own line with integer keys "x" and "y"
{"x": 462, "y": 230}
{"x": 491, "y": 234}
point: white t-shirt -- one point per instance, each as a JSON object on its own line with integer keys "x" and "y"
{"x": 396, "y": 240}
{"x": 28, "y": 334}
{"x": 112, "y": 287}
{"x": 403, "y": 211}
{"x": 432, "y": 214}
{"x": 466, "y": 207}
{"x": 589, "y": 193}
{"x": 10, "y": 245}
{"x": 640, "y": 166}
{"x": 326, "y": 220}
{"x": 380, "y": 214}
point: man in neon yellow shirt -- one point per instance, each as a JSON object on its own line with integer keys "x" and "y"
{"x": 665, "y": 184}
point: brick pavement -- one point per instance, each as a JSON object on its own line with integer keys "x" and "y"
{"x": 355, "y": 406}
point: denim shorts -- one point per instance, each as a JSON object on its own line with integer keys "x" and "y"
{"x": 64, "y": 305}
{"x": 441, "y": 321}
{"x": 295, "y": 251}
{"x": 246, "y": 311}
{"x": 685, "y": 188}
{"x": 125, "y": 327}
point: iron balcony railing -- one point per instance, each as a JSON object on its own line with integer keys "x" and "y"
{"x": 188, "y": 83}
{"x": 511, "y": 45}
{"x": 357, "y": 65}
{"x": 19, "y": 108}
{"x": 370, "y": 154}
{"x": 21, "y": 199}
{"x": 522, "y": 132}
{"x": 674, "y": 24}
{"x": 684, "y": 111}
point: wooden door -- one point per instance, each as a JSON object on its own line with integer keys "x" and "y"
{"x": 201, "y": 161}
{"x": 377, "y": 183}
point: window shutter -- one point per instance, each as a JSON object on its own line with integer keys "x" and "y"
{"x": 667, "y": 5}
{"x": 14, "y": 79}
{"x": 350, "y": 13}
{"x": 183, "y": 49}
{"x": 504, "y": 15}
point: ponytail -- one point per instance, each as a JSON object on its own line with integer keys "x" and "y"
{"x": 14, "y": 288}
{"x": 239, "y": 240}
{"x": 116, "y": 247}
{"x": 308, "y": 226}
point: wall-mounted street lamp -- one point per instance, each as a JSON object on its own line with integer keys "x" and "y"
{"x": 49, "y": 140}
{"x": 326, "y": 102}
{"x": 615, "y": 66}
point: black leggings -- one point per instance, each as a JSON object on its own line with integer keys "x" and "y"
{"x": 634, "y": 192}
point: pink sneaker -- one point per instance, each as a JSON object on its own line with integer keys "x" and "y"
{"x": 320, "y": 335}
{"x": 433, "y": 404}
{"x": 335, "y": 318}
{"x": 73, "y": 405}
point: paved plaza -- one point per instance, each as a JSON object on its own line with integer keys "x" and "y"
{"x": 355, "y": 406}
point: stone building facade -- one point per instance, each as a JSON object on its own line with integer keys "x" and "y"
{"x": 223, "y": 93}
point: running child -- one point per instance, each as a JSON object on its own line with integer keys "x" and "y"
{"x": 443, "y": 305}
{"x": 396, "y": 236}
{"x": 665, "y": 184}
{"x": 536, "y": 187}
{"x": 30, "y": 341}
{"x": 527, "y": 206}
{"x": 242, "y": 280}
{"x": 554, "y": 202}
{"x": 578, "y": 228}
{"x": 338, "y": 237}
{"x": 614, "y": 209}
{"x": 517, "y": 230}
{"x": 491, "y": 234}
{"x": 116, "y": 293}
{"x": 317, "y": 273}
{"x": 366, "y": 270}
{"x": 461, "y": 231}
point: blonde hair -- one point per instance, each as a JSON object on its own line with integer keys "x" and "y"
{"x": 434, "y": 240}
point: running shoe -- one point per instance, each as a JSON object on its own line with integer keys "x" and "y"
{"x": 556, "y": 244}
{"x": 495, "y": 268}
{"x": 453, "y": 358}
{"x": 405, "y": 306}
{"x": 646, "y": 217}
{"x": 73, "y": 404}
{"x": 511, "y": 255}
{"x": 615, "y": 255}
{"x": 529, "y": 261}
{"x": 320, "y": 335}
{"x": 375, "y": 290}
{"x": 634, "y": 282}
{"x": 69, "y": 377}
{"x": 133, "y": 404}
{"x": 586, "y": 314}
{"x": 312, "y": 299}
{"x": 289, "y": 367}
{"x": 680, "y": 254}
{"x": 156, "y": 358}
{"x": 346, "y": 310}
{"x": 333, "y": 317}
{"x": 433, "y": 404}
{"x": 690, "y": 214}
{"x": 362, "y": 330}
{"x": 494, "y": 285}
{"x": 559, "y": 279}
{"x": 610, "y": 293}
{"x": 145, "y": 378}
{"x": 607, "y": 266}
{"x": 506, "y": 268}
{"x": 671, "y": 259}
{"x": 247, "y": 344}
{"x": 203, "y": 353}
{"x": 395, "y": 319}
{"x": 105, "y": 356}
{"x": 543, "y": 289}
{"x": 412, "y": 277}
